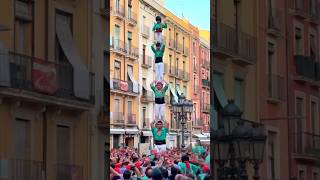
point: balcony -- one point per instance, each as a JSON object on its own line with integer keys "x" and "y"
{"x": 126, "y": 87}
{"x": 306, "y": 146}
{"x": 145, "y": 31}
{"x": 117, "y": 46}
{"x": 132, "y": 18}
{"x": 131, "y": 119}
{"x": 118, "y": 12}
{"x": 206, "y": 108}
{"x": 307, "y": 69}
{"x": 117, "y": 118}
{"x": 205, "y": 63}
{"x": 172, "y": 71}
{"x": 147, "y": 96}
{"x": 21, "y": 169}
{"x": 274, "y": 22}
{"x": 226, "y": 45}
{"x": 38, "y": 79}
{"x": 206, "y": 83}
{"x": 132, "y": 52}
{"x": 147, "y": 62}
{"x": 185, "y": 52}
{"x": 66, "y": 172}
{"x": 179, "y": 74}
{"x": 276, "y": 88}
{"x": 185, "y": 76}
{"x": 300, "y": 9}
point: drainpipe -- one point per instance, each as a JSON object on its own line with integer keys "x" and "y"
{"x": 44, "y": 144}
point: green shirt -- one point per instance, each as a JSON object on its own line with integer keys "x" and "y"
{"x": 158, "y": 53}
{"x": 193, "y": 168}
{"x": 157, "y": 93}
{"x": 162, "y": 136}
{"x": 199, "y": 150}
{"x": 208, "y": 160}
{"x": 145, "y": 178}
{"x": 159, "y": 26}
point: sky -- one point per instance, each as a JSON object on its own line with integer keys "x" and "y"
{"x": 196, "y": 11}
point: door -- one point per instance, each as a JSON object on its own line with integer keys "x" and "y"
{"x": 130, "y": 118}
{"x": 116, "y": 36}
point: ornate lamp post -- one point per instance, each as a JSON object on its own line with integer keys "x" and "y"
{"x": 237, "y": 142}
{"x": 181, "y": 110}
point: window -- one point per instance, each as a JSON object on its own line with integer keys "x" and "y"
{"x": 22, "y": 139}
{"x": 184, "y": 66}
{"x": 203, "y": 99}
{"x": 271, "y": 62}
{"x": 144, "y": 53}
{"x": 129, "y": 107}
{"x": 117, "y": 105}
{"x": 63, "y": 145}
{"x": 183, "y": 44}
{"x": 170, "y": 37}
{"x": 195, "y": 111}
{"x": 314, "y": 118}
{"x": 271, "y": 156}
{"x": 176, "y": 40}
{"x": 194, "y": 62}
{"x": 299, "y": 123}
{"x": 129, "y": 9}
{"x": 301, "y": 175}
{"x": 194, "y": 84}
{"x": 144, "y": 113}
{"x": 116, "y": 36}
{"x": 177, "y": 65}
{"x": 129, "y": 41}
{"x": 239, "y": 93}
{"x": 129, "y": 70}
{"x": 194, "y": 49}
{"x": 117, "y": 5}
{"x": 298, "y": 42}
{"x": 185, "y": 90}
{"x": 313, "y": 47}
{"x": 315, "y": 176}
{"x": 116, "y": 140}
{"x": 23, "y": 37}
{"x": 117, "y": 70}
{"x": 170, "y": 63}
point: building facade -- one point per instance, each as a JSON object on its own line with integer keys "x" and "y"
{"x": 124, "y": 73}
{"x": 46, "y": 89}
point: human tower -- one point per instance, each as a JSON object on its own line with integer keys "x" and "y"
{"x": 159, "y": 88}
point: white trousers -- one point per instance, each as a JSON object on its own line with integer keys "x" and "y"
{"x": 161, "y": 148}
{"x": 160, "y": 113}
{"x": 159, "y": 37}
{"x": 159, "y": 67}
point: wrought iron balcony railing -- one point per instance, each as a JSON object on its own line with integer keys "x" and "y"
{"x": 44, "y": 77}
{"x": 125, "y": 86}
{"x": 117, "y": 117}
{"x": 132, "y": 52}
{"x": 306, "y": 143}
{"x": 145, "y": 31}
{"x": 119, "y": 11}
{"x": 147, "y": 61}
{"x": 117, "y": 45}
{"x": 132, "y": 18}
{"x": 131, "y": 119}
{"x": 206, "y": 82}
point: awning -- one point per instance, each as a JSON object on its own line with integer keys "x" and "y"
{"x": 117, "y": 131}
{"x": 4, "y": 66}
{"x": 219, "y": 91}
{"x": 147, "y": 133}
{"x": 135, "y": 84}
{"x": 80, "y": 71}
{"x": 200, "y": 136}
{"x": 132, "y": 131}
{"x": 173, "y": 92}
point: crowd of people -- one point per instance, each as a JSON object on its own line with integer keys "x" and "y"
{"x": 128, "y": 164}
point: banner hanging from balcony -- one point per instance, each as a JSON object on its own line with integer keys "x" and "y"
{"x": 44, "y": 77}
{"x": 124, "y": 86}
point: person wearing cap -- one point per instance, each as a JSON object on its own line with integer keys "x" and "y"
{"x": 157, "y": 29}
{"x": 159, "y": 88}
{"x": 159, "y": 135}
{"x": 158, "y": 50}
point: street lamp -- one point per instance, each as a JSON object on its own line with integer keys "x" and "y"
{"x": 236, "y": 142}
{"x": 182, "y": 110}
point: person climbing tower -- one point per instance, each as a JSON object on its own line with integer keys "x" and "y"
{"x": 159, "y": 88}
{"x": 160, "y": 135}
{"x": 159, "y": 65}
{"x": 157, "y": 28}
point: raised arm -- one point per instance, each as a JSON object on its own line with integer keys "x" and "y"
{"x": 153, "y": 48}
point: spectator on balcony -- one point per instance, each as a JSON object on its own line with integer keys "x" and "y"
{"x": 159, "y": 65}
{"x": 157, "y": 28}
{"x": 159, "y": 88}
{"x": 160, "y": 135}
